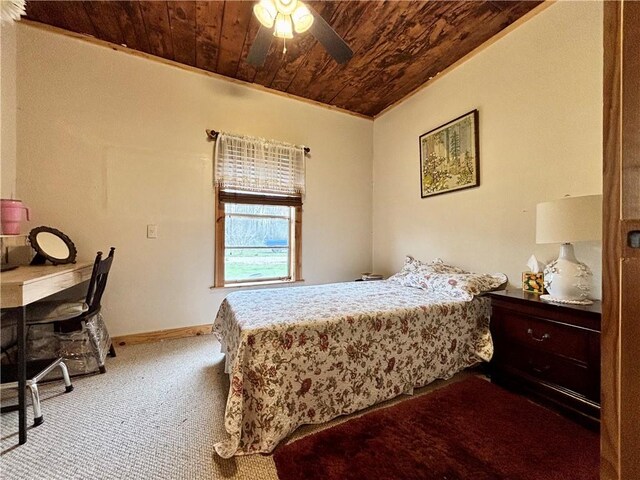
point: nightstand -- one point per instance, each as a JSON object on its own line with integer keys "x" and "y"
{"x": 373, "y": 279}
{"x": 548, "y": 351}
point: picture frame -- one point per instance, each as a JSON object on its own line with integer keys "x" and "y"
{"x": 450, "y": 156}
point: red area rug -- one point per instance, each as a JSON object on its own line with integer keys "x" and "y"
{"x": 471, "y": 430}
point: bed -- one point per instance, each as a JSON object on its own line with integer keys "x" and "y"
{"x": 303, "y": 355}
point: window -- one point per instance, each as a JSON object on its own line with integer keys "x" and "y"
{"x": 259, "y": 187}
{"x": 258, "y": 239}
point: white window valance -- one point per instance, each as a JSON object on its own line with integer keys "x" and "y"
{"x": 259, "y": 165}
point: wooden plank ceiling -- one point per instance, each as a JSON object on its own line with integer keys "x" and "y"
{"x": 397, "y": 45}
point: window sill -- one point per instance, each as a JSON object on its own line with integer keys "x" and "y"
{"x": 256, "y": 284}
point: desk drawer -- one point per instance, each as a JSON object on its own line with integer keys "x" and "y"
{"x": 542, "y": 335}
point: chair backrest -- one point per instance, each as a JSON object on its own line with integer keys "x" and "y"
{"x": 98, "y": 281}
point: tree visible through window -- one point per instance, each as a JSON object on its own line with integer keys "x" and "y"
{"x": 258, "y": 242}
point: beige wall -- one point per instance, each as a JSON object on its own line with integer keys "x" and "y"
{"x": 539, "y": 93}
{"x": 111, "y": 142}
{"x": 8, "y": 110}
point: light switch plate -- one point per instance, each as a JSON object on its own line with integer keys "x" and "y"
{"x": 152, "y": 231}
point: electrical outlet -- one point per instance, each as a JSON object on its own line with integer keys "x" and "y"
{"x": 152, "y": 231}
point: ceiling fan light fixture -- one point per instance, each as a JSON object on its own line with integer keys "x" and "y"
{"x": 284, "y": 26}
{"x": 290, "y": 16}
{"x": 266, "y": 12}
{"x": 302, "y": 18}
{"x": 286, "y": 7}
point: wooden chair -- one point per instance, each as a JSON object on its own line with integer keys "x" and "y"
{"x": 66, "y": 317}
{"x": 96, "y": 289}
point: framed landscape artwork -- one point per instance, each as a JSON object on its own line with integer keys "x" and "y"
{"x": 450, "y": 156}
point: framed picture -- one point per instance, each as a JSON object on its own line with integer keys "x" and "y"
{"x": 450, "y": 156}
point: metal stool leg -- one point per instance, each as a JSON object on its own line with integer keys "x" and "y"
{"x": 35, "y": 400}
{"x": 68, "y": 387}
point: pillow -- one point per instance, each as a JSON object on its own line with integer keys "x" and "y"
{"x": 409, "y": 267}
{"x": 412, "y": 270}
{"x": 410, "y": 264}
{"x": 448, "y": 280}
{"x": 461, "y": 286}
{"x": 438, "y": 266}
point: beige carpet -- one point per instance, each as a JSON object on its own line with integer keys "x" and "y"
{"x": 155, "y": 414}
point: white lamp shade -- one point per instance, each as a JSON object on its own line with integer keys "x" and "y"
{"x": 284, "y": 28}
{"x": 265, "y": 12}
{"x": 286, "y": 7}
{"x": 302, "y": 18}
{"x": 570, "y": 219}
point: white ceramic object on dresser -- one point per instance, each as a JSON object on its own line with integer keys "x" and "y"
{"x": 570, "y": 219}
{"x": 568, "y": 279}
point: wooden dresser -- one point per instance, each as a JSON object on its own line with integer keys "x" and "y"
{"x": 550, "y": 352}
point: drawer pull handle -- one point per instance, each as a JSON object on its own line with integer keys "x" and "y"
{"x": 544, "y": 337}
{"x": 539, "y": 370}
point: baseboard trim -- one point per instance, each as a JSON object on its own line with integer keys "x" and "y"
{"x": 160, "y": 335}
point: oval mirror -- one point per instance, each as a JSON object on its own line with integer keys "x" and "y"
{"x": 52, "y": 245}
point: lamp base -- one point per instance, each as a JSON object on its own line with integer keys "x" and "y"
{"x": 550, "y": 298}
{"x": 566, "y": 279}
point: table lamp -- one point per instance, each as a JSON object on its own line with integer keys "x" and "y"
{"x": 570, "y": 219}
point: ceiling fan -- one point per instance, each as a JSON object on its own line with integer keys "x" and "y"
{"x": 280, "y": 18}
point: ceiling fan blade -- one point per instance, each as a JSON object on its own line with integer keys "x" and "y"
{"x": 328, "y": 37}
{"x": 260, "y": 47}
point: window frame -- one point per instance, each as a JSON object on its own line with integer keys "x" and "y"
{"x": 295, "y": 247}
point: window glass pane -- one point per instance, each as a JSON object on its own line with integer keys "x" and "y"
{"x": 256, "y": 243}
{"x": 251, "y": 264}
{"x": 279, "y": 210}
{"x": 256, "y": 232}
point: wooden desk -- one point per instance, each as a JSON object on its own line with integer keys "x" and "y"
{"x": 25, "y": 285}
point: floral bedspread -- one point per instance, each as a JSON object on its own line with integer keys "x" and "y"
{"x": 309, "y": 354}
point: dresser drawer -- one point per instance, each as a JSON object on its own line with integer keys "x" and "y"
{"x": 548, "y": 368}
{"x": 550, "y": 352}
{"x": 542, "y": 335}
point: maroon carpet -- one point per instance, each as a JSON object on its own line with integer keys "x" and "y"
{"x": 469, "y": 430}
